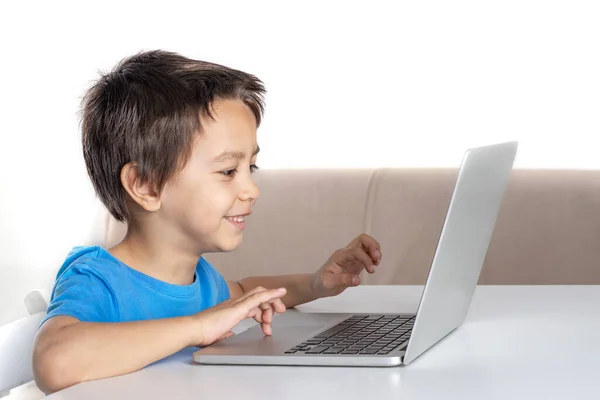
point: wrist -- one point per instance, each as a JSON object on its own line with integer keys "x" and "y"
{"x": 192, "y": 329}
{"x": 315, "y": 285}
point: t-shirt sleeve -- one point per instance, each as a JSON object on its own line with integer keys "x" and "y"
{"x": 218, "y": 280}
{"x": 82, "y": 293}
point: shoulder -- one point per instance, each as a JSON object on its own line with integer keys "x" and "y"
{"x": 89, "y": 268}
{"x": 91, "y": 260}
{"x": 83, "y": 287}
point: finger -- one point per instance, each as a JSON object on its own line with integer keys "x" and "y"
{"x": 256, "y": 313}
{"x": 348, "y": 261}
{"x": 267, "y": 320}
{"x": 266, "y": 328}
{"x": 246, "y": 295}
{"x": 267, "y": 312}
{"x": 265, "y": 296}
{"x": 363, "y": 258}
{"x": 278, "y": 306}
{"x": 370, "y": 245}
{"x": 377, "y": 256}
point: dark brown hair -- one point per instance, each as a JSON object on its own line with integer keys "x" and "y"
{"x": 147, "y": 111}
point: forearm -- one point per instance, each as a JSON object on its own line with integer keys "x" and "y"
{"x": 299, "y": 287}
{"x": 85, "y": 351}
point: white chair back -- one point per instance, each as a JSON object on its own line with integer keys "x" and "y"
{"x": 16, "y": 343}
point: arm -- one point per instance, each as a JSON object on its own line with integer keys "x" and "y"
{"x": 339, "y": 272}
{"x": 68, "y": 351}
{"x": 300, "y": 287}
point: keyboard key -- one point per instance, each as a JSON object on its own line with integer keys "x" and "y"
{"x": 330, "y": 332}
{"x": 334, "y": 350}
{"x": 312, "y": 341}
{"x": 366, "y": 351}
{"x": 317, "y": 350}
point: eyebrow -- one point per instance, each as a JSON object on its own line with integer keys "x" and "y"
{"x": 233, "y": 155}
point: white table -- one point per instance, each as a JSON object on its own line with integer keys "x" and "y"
{"x": 518, "y": 342}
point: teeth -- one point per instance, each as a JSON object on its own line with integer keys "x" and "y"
{"x": 237, "y": 219}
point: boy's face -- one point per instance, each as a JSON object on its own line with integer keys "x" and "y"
{"x": 207, "y": 202}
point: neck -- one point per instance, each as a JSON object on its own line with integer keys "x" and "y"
{"x": 156, "y": 255}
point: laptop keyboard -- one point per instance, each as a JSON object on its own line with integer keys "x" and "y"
{"x": 360, "y": 334}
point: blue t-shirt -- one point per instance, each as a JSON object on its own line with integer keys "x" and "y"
{"x": 94, "y": 286}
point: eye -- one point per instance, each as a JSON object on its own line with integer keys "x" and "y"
{"x": 229, "y": 173}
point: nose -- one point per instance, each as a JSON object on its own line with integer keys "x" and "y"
{"x": 250, "y": 191}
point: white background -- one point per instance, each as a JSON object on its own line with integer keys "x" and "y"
{"x": 350, "y": 84}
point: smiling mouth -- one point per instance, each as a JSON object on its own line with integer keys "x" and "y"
{"x": 238, "y": 219}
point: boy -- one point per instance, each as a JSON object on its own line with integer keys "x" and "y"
{"x": 170, "y": 146}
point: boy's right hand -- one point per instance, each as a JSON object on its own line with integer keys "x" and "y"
{"x": 215, "y": 323}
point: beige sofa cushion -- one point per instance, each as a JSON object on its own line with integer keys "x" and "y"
{"x": 548, "y": 228}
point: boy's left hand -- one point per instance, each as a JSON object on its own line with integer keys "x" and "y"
{"x": 344, "y": 266}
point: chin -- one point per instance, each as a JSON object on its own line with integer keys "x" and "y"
{"x": 229, "y": 245}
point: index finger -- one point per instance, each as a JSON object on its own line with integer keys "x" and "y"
{"x": 264, "y": 296}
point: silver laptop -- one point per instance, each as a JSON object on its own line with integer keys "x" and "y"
{"x": 388, "y": 340}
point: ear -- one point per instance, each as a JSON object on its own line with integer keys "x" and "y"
{"x": 143, "y": 194}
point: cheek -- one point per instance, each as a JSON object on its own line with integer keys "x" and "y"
{"x": 177, "y": 198}
{"x": 221, "y": 201}
{"x": 204, "y": 202}
{"x": 182, "y": 202}
{"x": 211, "y": 202}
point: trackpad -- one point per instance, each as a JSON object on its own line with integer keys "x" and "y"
{"x": 289, "y": 329}
{"x": 299, "y": 319}
{"x": 254, "y": 342}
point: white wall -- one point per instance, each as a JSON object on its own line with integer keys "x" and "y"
{"x": 365, "y": 84}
